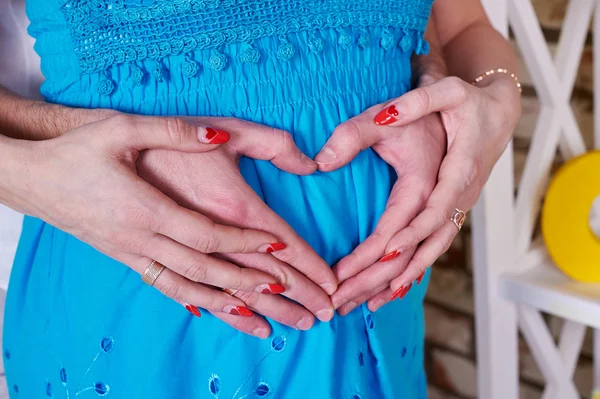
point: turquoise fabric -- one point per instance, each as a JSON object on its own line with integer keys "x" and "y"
{"x": 79, "y": 324}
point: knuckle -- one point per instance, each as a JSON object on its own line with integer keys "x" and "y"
{"x": 195, "y": 272}
{"x": 207, "y": 243}
{"x": 349, "y": 131}
{"x": 438, "y": 216}
{"x": 249, "y": 298}
{"x": 234, "y": 209}
{"x": 125, "y": 242}
{"x": 171, "y": 289}
{"x": 175, "y": 128}
{"x": 284, "y": 139}
{"x": 423, "y": 99}
{"x": 459, "y": 87}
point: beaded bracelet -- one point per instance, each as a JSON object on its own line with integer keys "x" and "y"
{"x": 494, "y": 71}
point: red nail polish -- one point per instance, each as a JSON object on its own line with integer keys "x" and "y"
{"x": 386, "y": 116}
{"x": 276, "y": 246}
{"x": 270, "y": 289}
{"x": 192, "y": 309}
{"x": 392, "y": 255}
{"x": 216, "y": 136}
{"x": 238, "y": 311}
{"x": 420, "y": 278}
{"x": 403, "y": 294}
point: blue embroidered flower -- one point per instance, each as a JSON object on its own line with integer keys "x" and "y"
{"x": 106, "y": 87}
{"x": 406, "y": 43}
{"x": 387, "y": 40}
{"x": 251, "y": 55}
{"x": 364, "y": 40}
{"x": 285, "y": 51}
{"x": 278, "y": 343}
{"x": 315, "y": 44}
{"x": 345, "y": 40}
{"x": 190, "y": 68}
{"x": 101, "y": 388}
{"x": 217, "y": 61}
{"x": 137, "y": 75}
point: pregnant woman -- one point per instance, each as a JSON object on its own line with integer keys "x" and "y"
{"x": 237, "y": 208}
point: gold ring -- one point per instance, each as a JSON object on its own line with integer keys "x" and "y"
{"x": 152, "y": 272}
{"x": 458, "y": 218}
{"x": 230, "y": 291}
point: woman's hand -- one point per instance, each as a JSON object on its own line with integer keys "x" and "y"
{"x": 85, "y": 183}
{"x": 225, "y": 197}
{"x": 415, "y": 152}
{"x": 478, "y": 123}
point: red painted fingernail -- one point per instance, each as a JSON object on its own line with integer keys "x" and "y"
{"x": 273, "y": 247}
{"x": 192, "y": 309}
{"x": 402, "y": 295}
{"x": 386, "y": 116}
{"x": 270, "y": 289}
{"x": 420, "y": 278}
{"x": 392, "y": 255}
{"x": 238, "y": 311}
{"x": 215, "y": 136}
{"x": 401, "y": 292}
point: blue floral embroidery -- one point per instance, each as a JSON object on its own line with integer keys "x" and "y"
{"x": 217, "y": 61}
{"x": 364, "y": 40}
{"x": 345, "y": 40}
{"x": 315, "y": 43}
{"x": 387, "y": 40}
{"x": 285, "y": 51}
{"x": 251, "y": 55}
{"x": 190, "y": 68}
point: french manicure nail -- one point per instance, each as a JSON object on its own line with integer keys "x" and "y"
{"x": 238, "y": 311}
{"x": 215, "y": 136}
{"x": 273, "y": 247}
{"x": 192, "y": 309}
{"x": 324, "y": 314}
{"x": 420, "y": 278}
{"x": 270, "y": 289}
{"x": 260, "y": 332}
{"x": 326, "y": 156}
{"x": 391, "y": 256}
{"x": 305, "y": 323}
{"x": 386, "y": 116}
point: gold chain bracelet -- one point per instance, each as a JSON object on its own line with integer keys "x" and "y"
{"x": 495, "y": 71}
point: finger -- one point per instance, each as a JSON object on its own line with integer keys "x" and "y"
{"x": 266, "y": 143}
{"x": 403, "y": 205}
{"x": 444, "y": 94}
{"x": 256, "y": 326}
{"x": 347, "y": 140}
{"x": 278, "y": 308}
{"x": 429, "y": 251}
{"x": 350, "y": 306}
{"x": 202, "y": 234}
{"x": 186, "y": 292}
{"x": 386, "y": 295}
{"x": 298, "y": 287}
{"x": 201, "y": 268}
{"x": 454, "y": 180}
{"x": 143, "y": 132}
{"x": 380, "y": 273}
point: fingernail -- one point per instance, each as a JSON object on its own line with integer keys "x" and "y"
{"x": 401, "y": 292}
{"x": 350, "y": 307}
{"x": 326, "y": 156}
{"x": 328, "y": 288}
{"x": 392, "y": 255}
{"x": 238, "y": 311}
{"x": 261, "y": 332}
{"x": 270, "y": 289}
{"x": 305, "y": 323}
{"x": 215, "y": 136}
{"x": 377, "y": 304}
{"x": 275, "y": 246}
{"x": 192, "y": 309}
{"x": 386, "y": 116}
{"x": 325, "y": 314}
{"x": 420, "y": 278}
{"x": 307, "y": 161}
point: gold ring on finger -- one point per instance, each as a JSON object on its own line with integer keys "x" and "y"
{"x": 458, "y": 218}
{"x": 152, "y": 272}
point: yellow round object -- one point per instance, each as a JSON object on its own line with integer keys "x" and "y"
{"x": 570, "y": 240}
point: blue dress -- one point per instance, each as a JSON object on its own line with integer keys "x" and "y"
{"x": 81, "y": 325}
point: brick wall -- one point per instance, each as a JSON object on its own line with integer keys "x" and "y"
{"x": 450, "y": 346}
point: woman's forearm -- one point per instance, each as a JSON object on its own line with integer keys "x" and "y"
{"x": 471, "y": 46}
{"x": 21, "y": 118}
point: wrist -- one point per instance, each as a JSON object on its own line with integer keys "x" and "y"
{"x": 503, "y": 89}
{"x": 15, "y": 178}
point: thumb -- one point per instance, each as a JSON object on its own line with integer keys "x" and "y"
{"x": 347, "y": 140}
{"x": 143, "y": 132}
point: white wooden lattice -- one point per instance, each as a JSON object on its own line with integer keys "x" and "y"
{"x": 514, "y": 278}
